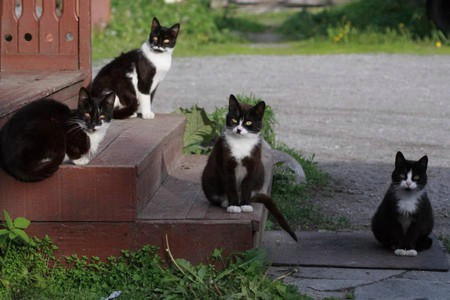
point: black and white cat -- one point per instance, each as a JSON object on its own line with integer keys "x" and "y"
{"x": 234, "y": 173}
{"x": 134, "y": 76}
{"x": 404, "y": 220}
{"x": 44, "y": 133}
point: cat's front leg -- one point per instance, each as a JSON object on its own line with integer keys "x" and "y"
{"x": 232, "y": 193}
{"x": 145, "y": 106}
{"x": 84, "y": 160}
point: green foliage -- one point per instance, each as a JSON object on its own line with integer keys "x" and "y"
{"x": 13, "y": 231}
{"x": 402, "y": 19}
{"x": 202, "y": 130}
{"x": 445, "y": 242}
{"x": 33, "y": 272}
{"x": 294, "y": 199}
{"x": 131, "y": 22}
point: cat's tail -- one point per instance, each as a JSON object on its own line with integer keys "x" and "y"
{"x": 275, "y": 211}
{"x": 128, "y": 110}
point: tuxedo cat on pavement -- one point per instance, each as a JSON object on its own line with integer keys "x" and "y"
{"x": 404, "y": 219}
{"x": 234, "y": 173}
{"x": 134, "y": 76}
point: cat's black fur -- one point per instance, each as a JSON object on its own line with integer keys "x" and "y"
{"x": 34, "y": 142}
{"x": 115, "y": 75}
{"x": 396, "y": 226}
{"x": 219, "y": 181}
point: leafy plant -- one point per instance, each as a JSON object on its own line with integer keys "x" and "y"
{"x": 13, "y": 231}
{"x": 33, "y": 272}
{"x": 203, "y": 129}
{"x": 200, "y": 131}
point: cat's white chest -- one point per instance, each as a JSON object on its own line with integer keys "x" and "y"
{"x": 241, "y": 147}
{"x": 161, "y": 61}
{"x": 408, "y": 201}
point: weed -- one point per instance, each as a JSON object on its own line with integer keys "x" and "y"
{"x": 445, "y": 242}
{"x": 32, "y": 272}
{"x": 294, "y": 199}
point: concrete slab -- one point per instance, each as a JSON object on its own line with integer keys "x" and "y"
{"x": 346, "y": 250}
{"x": 404, "y": 289}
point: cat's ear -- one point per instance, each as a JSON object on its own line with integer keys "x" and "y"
{"x": 259, "y": 108}
{"x": 83, "y": 99}
{"x": 423, "y": 162}
{"x": 175, "y": 29}
{"x": 109, "y": 101}
{"x": 233, "y": 104}
{"x": 155, "y": 24}
{"x": 399, "y": 159}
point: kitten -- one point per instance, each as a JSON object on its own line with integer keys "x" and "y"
{"x": 44, "y": 133}
{"x": 404, "y": 220}
{"x": 234, "y": 173}
{"x": 135, "y": 75}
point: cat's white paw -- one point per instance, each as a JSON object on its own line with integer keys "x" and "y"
{"x": 148, "y": 115}
{"x": 233, "y": 209}
{"x": 81, "y": 161}
{"x": 404, "y": 252}
{"x": 134, "y": 115}
{"x": 411, "y": 252}
{"x": 400, "y": 252}
{"x": 247, "y": 208}
{"x": 224, "y": 203}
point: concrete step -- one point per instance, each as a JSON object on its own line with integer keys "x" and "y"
{"x": 134, "y": 158}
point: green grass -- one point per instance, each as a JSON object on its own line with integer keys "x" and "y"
{"x": 294, "y": 200}
{"x": 33, "y": 272}
{"x": 445, "y": 242}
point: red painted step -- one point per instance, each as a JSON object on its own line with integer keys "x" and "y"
{"x": 178, "y": 211}
{"x": 132, "y": 161}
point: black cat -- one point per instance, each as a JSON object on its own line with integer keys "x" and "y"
{"x": 234, "y": 173}
{"x": 404, "y": 220}
{"x": 135, "y": 75}
{"x": 42, "y": 134}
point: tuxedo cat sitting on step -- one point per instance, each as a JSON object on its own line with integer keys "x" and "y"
{"x": 234, "y": 173}
{"x": 135, "y": 75}
{"x": 404, "y": 220}
{"x": 44, "y": 133}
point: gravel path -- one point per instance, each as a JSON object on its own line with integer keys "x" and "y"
{"x": 353, "y": 112}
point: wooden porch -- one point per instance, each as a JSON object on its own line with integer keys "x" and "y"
{"x": 139, "y": 189}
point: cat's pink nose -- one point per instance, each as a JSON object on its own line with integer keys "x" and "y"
{"x": 408, "y": 183}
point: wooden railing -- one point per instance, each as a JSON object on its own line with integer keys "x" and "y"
{"x": 45, "y": 35}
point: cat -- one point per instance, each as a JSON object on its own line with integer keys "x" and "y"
{"x": 234, "y": 173}
{"x": 44, "y": 133}
{"x": 404, "y": 219}
{"x": 134, "y": 76}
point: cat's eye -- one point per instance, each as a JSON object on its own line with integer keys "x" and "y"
{"x": 248, "y": 123}
{"x": 87, "y": 115}
{"x": 101, "y": 117}
{"x": 402, "y": 176}
{"x": 166, "y": 41}
{"x": 416, "y": 177}
{"x": 155, "y": 38}
{"x": 234, "y": 121}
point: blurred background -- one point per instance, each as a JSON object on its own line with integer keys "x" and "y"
{"x": 281, "y": 27}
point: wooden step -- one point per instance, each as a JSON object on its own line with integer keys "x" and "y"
{"x": 134, "y": 158}
{"x": 178, "y": 211}
{"x": 18, "y": 88}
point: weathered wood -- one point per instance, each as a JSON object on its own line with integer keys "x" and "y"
{"x": 18, "y": 88}
{"x": 48, "y": 42}
{"x": 192, "y": 240}
{"x": 111, "y": 187}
